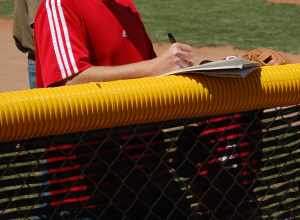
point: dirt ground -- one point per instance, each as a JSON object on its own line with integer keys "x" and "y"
{"x": 295, "y": 2}
{"x": 13, "y": 72}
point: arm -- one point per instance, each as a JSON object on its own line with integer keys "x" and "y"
{"x": 177, "y": 56}
{"x": 109, "y": 73}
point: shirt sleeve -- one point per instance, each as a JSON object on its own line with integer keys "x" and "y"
{"x": 60, "y": 42}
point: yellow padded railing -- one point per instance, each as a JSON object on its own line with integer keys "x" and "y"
{"x": 68, "y": 109}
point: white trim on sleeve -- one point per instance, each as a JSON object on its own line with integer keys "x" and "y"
{"x": 54, "y": 41}
{"x": 60, "y": 38}
{"x": 67, "y": 37}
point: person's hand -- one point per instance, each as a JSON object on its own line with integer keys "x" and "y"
{"x": 176, "y": 57}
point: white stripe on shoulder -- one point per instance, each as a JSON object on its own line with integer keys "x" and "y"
{"x": 54, "y": 41}
{"x": 59, "y": 37}
{"x": 67, "y": 37}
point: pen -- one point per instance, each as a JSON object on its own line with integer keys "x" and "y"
{"x": 171, "y": 38}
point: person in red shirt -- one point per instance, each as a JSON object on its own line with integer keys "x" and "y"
{"x": 83, "y": 41}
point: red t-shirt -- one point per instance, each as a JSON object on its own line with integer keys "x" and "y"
{"x": 73, "y": 35}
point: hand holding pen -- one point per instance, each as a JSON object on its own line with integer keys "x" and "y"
{"x": 184, "y": 53}
{"x": 178, "y": 56}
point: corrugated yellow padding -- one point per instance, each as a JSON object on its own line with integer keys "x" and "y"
{"x": 68, "y": 109}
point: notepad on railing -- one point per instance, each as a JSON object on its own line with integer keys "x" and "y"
{"x": 236, "y": 67}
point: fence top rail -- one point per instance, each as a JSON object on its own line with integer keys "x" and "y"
{"x": 54, "y": 111}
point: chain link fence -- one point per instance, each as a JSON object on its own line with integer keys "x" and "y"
{"x": 237, "y": 166}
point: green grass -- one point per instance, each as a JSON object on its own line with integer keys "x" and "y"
{"x": 6, "y": 8}
{"x": 244, "y": 24}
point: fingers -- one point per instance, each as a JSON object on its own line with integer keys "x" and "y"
{"x": 181, "y": 63}
{"x": 183, "y": 47}
{"x": 183, "y": 55}
{"x": 176, "y": 57}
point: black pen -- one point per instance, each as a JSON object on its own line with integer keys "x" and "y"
{"x": 171, "y": 38}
